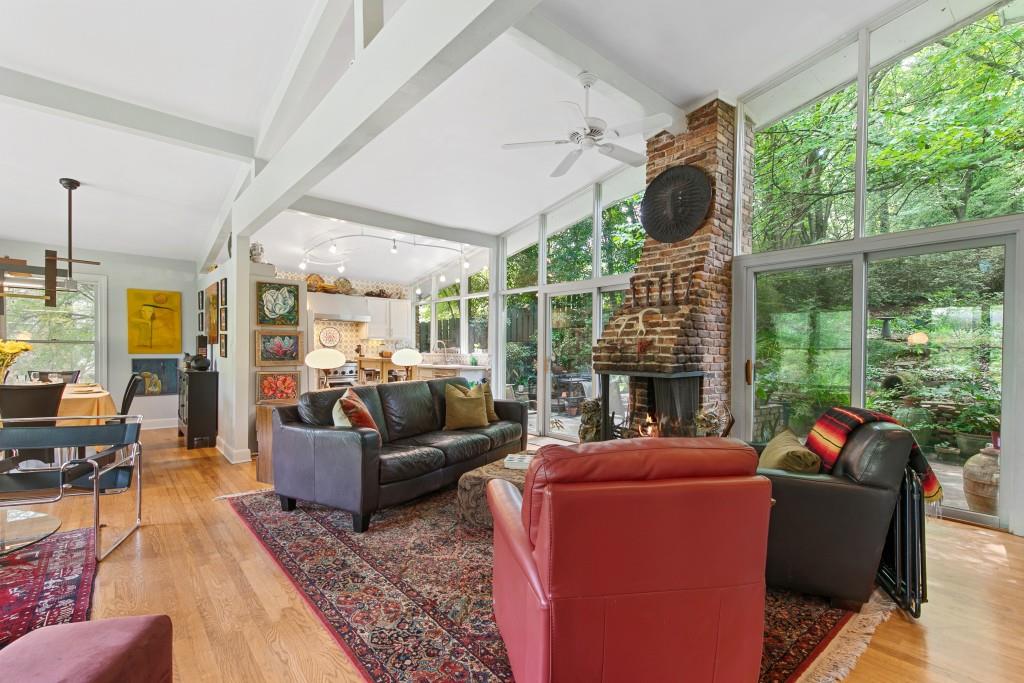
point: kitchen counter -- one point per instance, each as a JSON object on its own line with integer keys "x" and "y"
{"x": 452, "y": 366}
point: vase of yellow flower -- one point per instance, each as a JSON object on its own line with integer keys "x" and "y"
{"x": 9, "y": 352}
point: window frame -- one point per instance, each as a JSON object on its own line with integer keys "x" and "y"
{"x": 100, "y": 323}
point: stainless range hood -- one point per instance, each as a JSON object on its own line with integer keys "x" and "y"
{"x": 343, "y": 318}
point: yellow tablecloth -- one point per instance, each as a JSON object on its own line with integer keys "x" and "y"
{"x": 75, "y": 403}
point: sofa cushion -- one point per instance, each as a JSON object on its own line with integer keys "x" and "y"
{"x": 371, "y": 398}
{"x": 457, "y": 446}
{"x": 437, "y": 393}
{"x": 408, "y": 408}
{"x": 399, "y": 462}
{"x": 316, "y": 407}
{"x": 464, "y": 410}
{"x": 500, "y": 433}
{"x": 785, "y": 452}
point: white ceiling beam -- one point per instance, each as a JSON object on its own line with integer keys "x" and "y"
{"x": 24, "y": 89}
{"x": 559, "y": 48}
{"x": 286, "y": 111}
{"x": 327, "y": 208}
{"x": 369, "y": 20}
{"x": 420, "y": 47}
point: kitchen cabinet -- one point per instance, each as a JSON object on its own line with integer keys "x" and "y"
{"x": 389, "y": 318}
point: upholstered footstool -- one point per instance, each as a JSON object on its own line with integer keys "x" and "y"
{"x": 125, "y": 650}
{"x": 472, "y": 494}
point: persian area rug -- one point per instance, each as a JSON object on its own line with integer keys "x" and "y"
{"x": 410, "y": 600}
{"x": 49, "y": 582}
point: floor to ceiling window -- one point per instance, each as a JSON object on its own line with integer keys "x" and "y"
{"x": 566, "y": 271}
{"x": 887, "y": 214}
{"x": 452, "y": 306}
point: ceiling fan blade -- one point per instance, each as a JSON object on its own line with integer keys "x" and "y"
{"x": 566, "y": 163}
{"x": 575, "y": 114}
{"x": 534, "y": 143}
{"x": 654, "y": 123}
{"x": 622, "y": 154}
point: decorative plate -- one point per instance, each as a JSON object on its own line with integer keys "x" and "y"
{"x": 314, "y": 282}
{"x": 676, "y": 203}
{"x": 329, "y": 336}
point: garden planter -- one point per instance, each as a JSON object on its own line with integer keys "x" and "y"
{"x": 969, "y": 444}
{"x": 981, "y": 481}
{"x": 947, "y": 453}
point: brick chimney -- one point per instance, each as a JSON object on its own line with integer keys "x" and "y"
{"x": 683, "y": 289}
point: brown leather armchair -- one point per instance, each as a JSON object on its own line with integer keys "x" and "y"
{"x": 828, "y": 531}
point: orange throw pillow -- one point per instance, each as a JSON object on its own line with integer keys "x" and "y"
{"x": 357, "y": 412}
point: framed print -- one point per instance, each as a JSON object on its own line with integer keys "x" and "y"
{"x": 201, "y": 326}
{"x": 212, "y": 307}
{"x": 277, "y": 386}
{"x": 223, "y": 292}
{"x": 277, "y": 304}
{"x": 278, "y": 348}
{"x": 223, "y": 345}
{"x": 159, "y": 375}
{"x": 223, "y": 317}
{"x": 154, "y": 321}
{"x": 202, "y": 298}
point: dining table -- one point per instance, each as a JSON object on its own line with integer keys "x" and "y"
{"x": 85, "y": 400}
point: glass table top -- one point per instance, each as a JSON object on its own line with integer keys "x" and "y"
{"x": 20, "y": 528}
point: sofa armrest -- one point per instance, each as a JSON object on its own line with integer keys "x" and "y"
{"x": 515, "y": 411}
{"x": 336, "y": 466}
{"x": 826, "y": 534}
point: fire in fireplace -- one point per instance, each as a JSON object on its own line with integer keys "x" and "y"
{"x": 660, "y": 404}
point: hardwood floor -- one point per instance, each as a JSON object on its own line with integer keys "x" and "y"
{"x": 238, "y": 618}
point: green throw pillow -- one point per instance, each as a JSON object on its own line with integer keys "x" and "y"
{"x": 785, "y": 452}
{"x": 485, "y": 389}
{"x": 464, "y": 410}
{"x": 340, "y": 419}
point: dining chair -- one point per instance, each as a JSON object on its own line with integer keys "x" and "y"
{"x": 30, "y": 401}
{"x": 111, "y": 470}
{"x": 67, "y": 376}
{"x": 135, "y": 384}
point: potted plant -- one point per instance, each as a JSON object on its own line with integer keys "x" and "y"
{"x": 976, "y": 424}
{"x": 9, "y": 352}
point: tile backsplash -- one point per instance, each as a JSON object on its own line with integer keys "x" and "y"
{"x": 351, "y": 334}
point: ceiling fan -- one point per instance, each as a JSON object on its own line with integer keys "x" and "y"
{"x": 591, "y": 133}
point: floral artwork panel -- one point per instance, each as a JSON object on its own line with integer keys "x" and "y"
{"x": 154, "y": 321}
{"x": 277, "y": 387}
{"x": 278, "y": 348}
{"x": 277, "y": 304}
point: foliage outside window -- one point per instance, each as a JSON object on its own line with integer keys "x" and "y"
{"x": 479, "y": 282}
{"x": 449, "y": 290}
{"x": 946, "y": 131}
{"x": 449, "y": 319}
{"x": 622, "y": 236}
{"x": 423, "y": 327}
{"x": 479, "y": 308}
{"x": 62, "y": 338}
{"x": 521, "y": 341}
{"x": 611, "y": 302}
{"x": 570, "y": 252}
{"x": 804, "y": 175}
{"x": 521, "y": 268}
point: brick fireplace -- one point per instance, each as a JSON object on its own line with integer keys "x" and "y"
{"x": 676, "y": 318}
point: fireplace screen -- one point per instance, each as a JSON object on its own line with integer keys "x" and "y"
{"x": 657, "y": 404}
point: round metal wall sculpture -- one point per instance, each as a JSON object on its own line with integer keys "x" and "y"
{"x": 676, "y": 203}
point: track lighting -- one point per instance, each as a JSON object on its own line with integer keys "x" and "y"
{"x": 419, "y": 291}
{"x": 442, "y": 278}
{"x": 394, "y": 246}
{"x": 333, "y": 249}
{"x": 302, "y": 265}
{"x": 341, "y": 268}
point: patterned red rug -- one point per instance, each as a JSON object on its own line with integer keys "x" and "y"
{"x": 410, "y": 600}
{"x": 49, "y": 582}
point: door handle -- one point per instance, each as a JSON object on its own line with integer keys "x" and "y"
{"x": 748, "y": 372}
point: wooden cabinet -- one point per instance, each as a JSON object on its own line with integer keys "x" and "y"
{"x": 265, "y": 442}
{"x": 197, "y": 407}
{"x": 380, "y": 320}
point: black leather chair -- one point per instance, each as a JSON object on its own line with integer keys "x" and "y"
{"x": 135, "y": 383}
{"x": 828, "y": 531}
{"x": 66, "y": 376}
{"x": 359, "y": 471}
{"x": 26, "y": 401}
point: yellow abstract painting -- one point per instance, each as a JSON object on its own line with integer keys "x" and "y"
{"x": 154, "y": 321}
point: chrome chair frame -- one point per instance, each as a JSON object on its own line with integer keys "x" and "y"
{"x": 97, "y": 474}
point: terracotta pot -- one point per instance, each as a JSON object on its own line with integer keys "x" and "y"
{"x": 981, "y": 481}
{"x": 969, "y": 444}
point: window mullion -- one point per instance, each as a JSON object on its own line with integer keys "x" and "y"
{"x": 598, "y": 227}
{"x": 861, "y": 159}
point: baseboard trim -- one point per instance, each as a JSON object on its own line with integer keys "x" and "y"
{"x": 235, "y": 456}
{"x": 162, "y": 423}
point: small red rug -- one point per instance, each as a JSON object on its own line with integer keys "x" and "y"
{"x": 410, "y": 600}
{"x": 49, "y": 582}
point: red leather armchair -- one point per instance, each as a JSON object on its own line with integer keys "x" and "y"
{"x": 633, "y": 560}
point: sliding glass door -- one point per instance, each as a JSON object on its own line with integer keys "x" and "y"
{"x": 803, "y": 339}
{"x": 569, "y": 373}
{"x": 935, "y": 361}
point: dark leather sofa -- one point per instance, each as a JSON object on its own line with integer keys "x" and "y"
{"x": 828, "y": 531}
{"x": 353, "y": 470}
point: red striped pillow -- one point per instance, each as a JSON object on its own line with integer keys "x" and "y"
{"x": 357, "y": 412}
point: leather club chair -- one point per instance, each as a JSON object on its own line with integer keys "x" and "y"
{"x": 828, "y": 531}
{"x": 633, "y": 560}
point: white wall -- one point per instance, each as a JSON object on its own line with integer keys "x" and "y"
{"x": 125, "y": 272}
